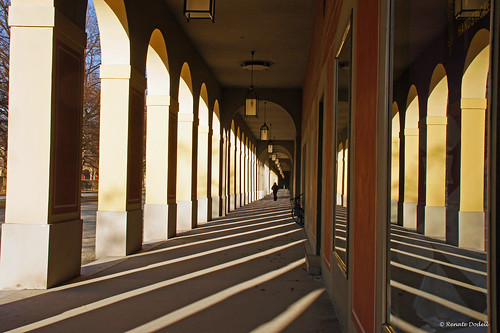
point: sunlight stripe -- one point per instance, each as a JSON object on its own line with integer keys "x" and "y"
{"x": 171, "y": 261}
{"x": 440, "y": 251}
{"x": 205, "y": 241}
{"x": 287, "y": 317}
{"x": 441, "y": 244}
{"x": 227, "y": 219}
{"x": 137, "y": 292}
{"x": 230, "y": 228}
{"x": 440, "y": 262}
{"x": 209, "y": 301}
{"x": 436, "y": 299}
{"x": 439, "y": 277}
{"x": 406, "y": 327}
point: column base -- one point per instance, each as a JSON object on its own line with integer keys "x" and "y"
{"x": 394, "y": 211}
{"x": 38, "y": 256}
{"x": 172, "y": 220}
{"x": 184, "y": 216}
{"x": 435, "y": 222}
{"x": 339, "y": 199}
{"x": 202, "y": 210}
{"x": 238, "y": 200}
{"x": 224, "y": 204}
{"x": 410, "y": 215}
{"x": 471, "y": 230}
{"x": 118, "y": 233}
{"x": 155, "y": 222}
{"x": 232, "y": 202}
{"x": 215, "y": 207}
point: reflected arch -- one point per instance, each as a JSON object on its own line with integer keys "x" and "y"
{"x": 395, "y": 161}
{"x": 473, "y": 103}
{"x": 436, "y": 121}
{"x": 411, "y": 151}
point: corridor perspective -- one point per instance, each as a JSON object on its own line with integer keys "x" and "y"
{"x": 141, "y": 142}
{"x": 241, "y": 273}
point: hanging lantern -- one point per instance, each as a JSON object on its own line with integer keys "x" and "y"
{"x": 470, "y": 8}
{"x": 199, "y": 9}
{"x": 274, "y": 157}
{"x": 270, "y": 147}
{"x": 251, "y": 100}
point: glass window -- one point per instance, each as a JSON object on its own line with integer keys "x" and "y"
{"x": 343, "y": 81}
{"x": 437, "y": 265}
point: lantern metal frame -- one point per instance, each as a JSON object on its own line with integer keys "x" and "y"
{"x": 200, "y": 14}
{"x": 264, "y": 129}
{"x": 251, "y": 99}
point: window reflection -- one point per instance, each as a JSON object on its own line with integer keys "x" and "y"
{"x": 343, "y": 123}
{"x": 437, "y": 261}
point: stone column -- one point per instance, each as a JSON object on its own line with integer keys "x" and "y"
{"x": 184, "y": 172}
{"x": 119, "y": 217}
{"x": 471, "y": 217}
{"x": 202, "y": 186}
{"x": 42, "y": 234}
{"x": 216, "y": 170}
{"x": 411, "y": 178}
{"x": 435, "y": 210}
{"x": 156, "y": 205}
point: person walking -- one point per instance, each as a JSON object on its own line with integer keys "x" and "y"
{"x": 275, "y": 191}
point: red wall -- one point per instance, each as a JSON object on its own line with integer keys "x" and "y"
{"x": 365, "y": 161}
{"x": 320, "y": 82}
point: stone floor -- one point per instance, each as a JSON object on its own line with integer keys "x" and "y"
{"x": 241, "y": 273}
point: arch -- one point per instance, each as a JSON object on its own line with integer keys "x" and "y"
{"x": 185, "y": 91}
{"x": 184, "y": 191}
{"x": 232, "y": 166}
{"x": 216, "y": 166}
{"x": 216, "y": 118}
{"x": 340, "y": 173}
{"x": 472, "y": 158}
{"x": 346, "y": 173}
{"x": 395, "y": 156}
{"x": 157, "y": 129}
{"x": 437, "y": 104}
{"x": 238, "y": 149}
{"x": 411, "y": 160}
{"x": 186, "y": 76}
{"x": 157, "y": 67}
{"x": 202, "y": 165}
{"x": 114, "y": 31}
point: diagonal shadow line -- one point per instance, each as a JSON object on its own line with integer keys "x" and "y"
{"x": 146, "y": 289}
{"x": 284, "y": 319}
{"x": 169, "y": 262}
{"x": 226, "y": 225}
{"x": 211, "y": 300}
{"x": 211, "y": 240}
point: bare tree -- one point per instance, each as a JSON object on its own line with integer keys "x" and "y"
{"x": 4, "y": 88}
{"x": 92, "y": 93}
{"x": 91, "y": 98}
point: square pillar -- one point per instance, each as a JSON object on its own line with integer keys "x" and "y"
{"x": 119, "y": 217}
{"x": 42, "y": 234}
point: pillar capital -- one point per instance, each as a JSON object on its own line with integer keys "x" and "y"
{"x": 443, "y": 120}
{"x": 157, "y": 100}
{"x": 185, "y": 117}
{"x": 32, "y": 16}
{"x": 473, "y": 103}
{"x": 115, "y": 71}
{"x": 411, "y": 132}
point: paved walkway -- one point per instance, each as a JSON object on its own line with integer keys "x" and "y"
{"x": 241, "y": 273}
